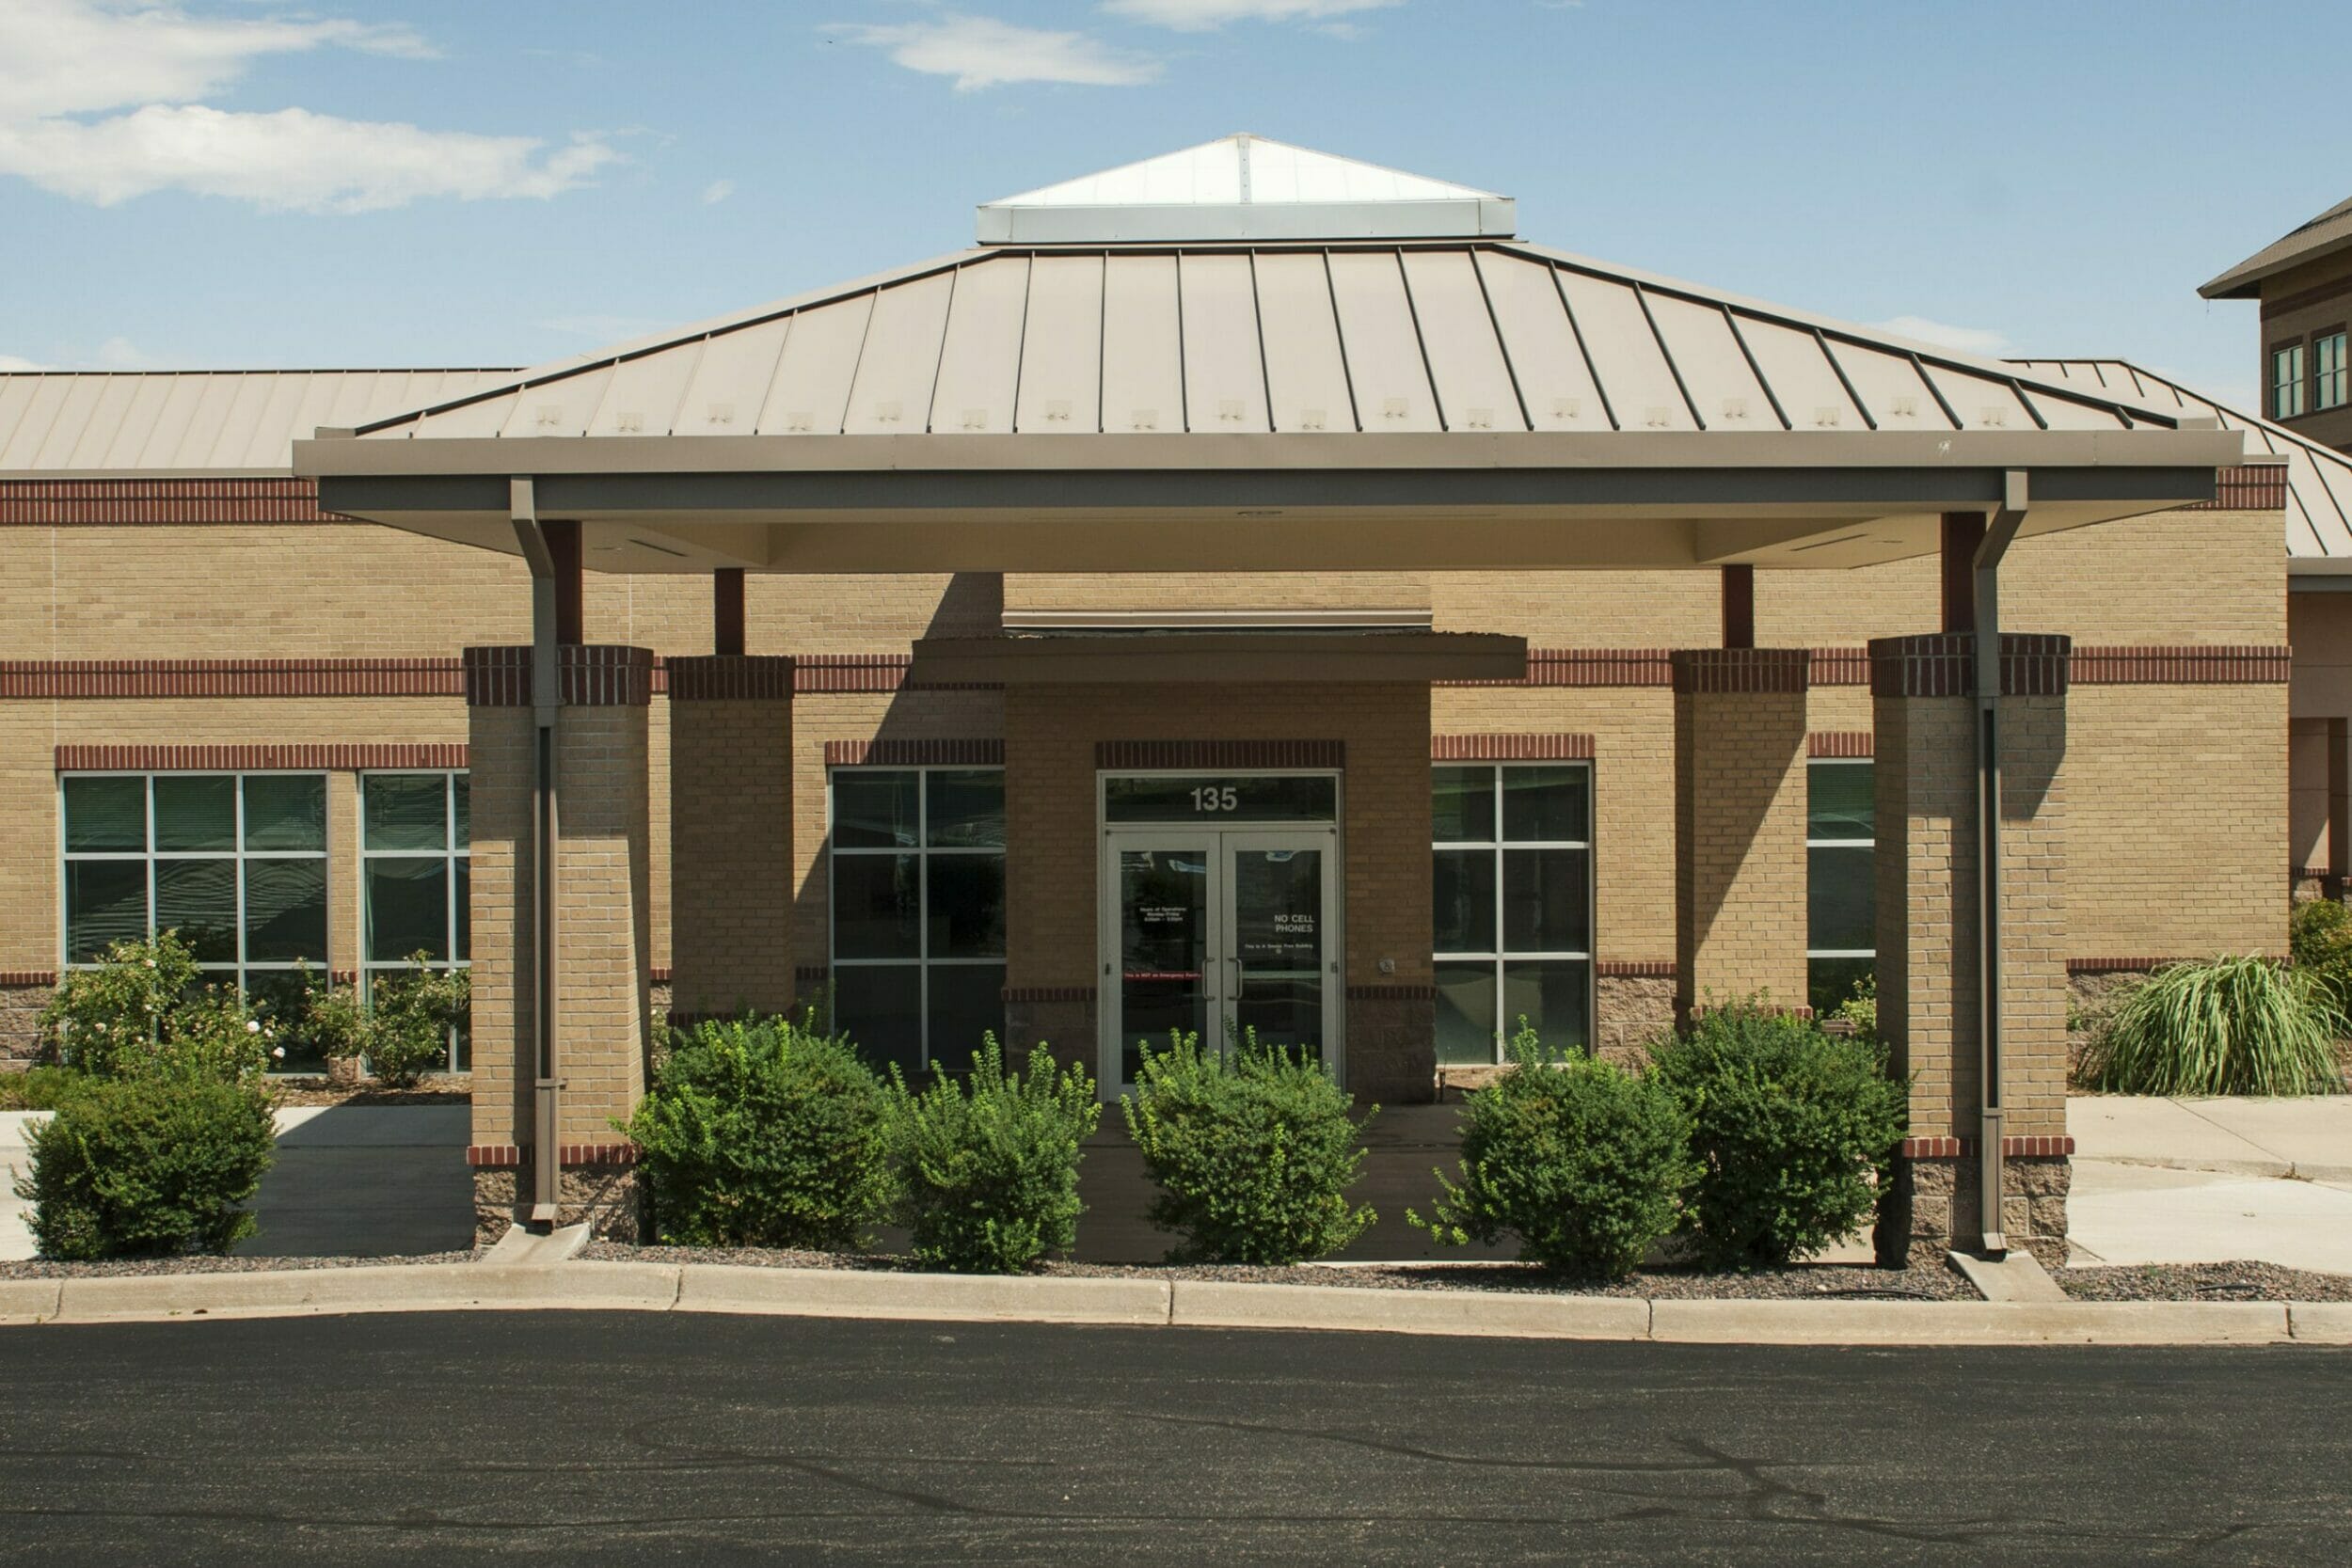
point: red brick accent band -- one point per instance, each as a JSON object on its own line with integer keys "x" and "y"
{"x": 213, "y": 759}
{"x": 1589, "y": 666}
{"x": 870, "y": 672}
{"x": 1510, "y": 748}
{"x": 1392, "y": 994}
{"x": 1634, "y": 968}
{"x": 594, "y": 674}
{"x": 229, "y": 677}
{"x": 1851, "y": 744}
{"x": 728, "y": 677}
{"x": 1841, "y": 666}
{"x": 1049, "y": 993}
{"x": 2184, "y": 666}
{"x": 518, "y": 1156}
{"x": 1221, "y": 754}
{"x": 1942, "y": 664}
{"x": 658, "y": 973}
{"x": 1964, "y": 1148}
{"x": 2310, "y": 873}
{"x": 2249, "y": 487}
{"x": 86, "y": 503}
{"x": 29, "y": 977}
{"x": 811, "y": 974}
{"x": 2124, "y": 965}
{"x": 1740, "y": 669}
{"x": 915, "y": 753}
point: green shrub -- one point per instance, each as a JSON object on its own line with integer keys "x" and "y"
{"x": 1861, "y": 1009}
{"x": 1253, "y": 1150}
{"x": 1580, "y": 1160}
{"x": 146, "y": 1007}
{"x": 2319, "y": 939}
{"x": 401, "y": 1028}
{"x": 1793, "y": 1130}
{"x": 987, "y": 1166}
{"x": 2230, "y": 1025}
{"x": 149, "y": 1163}
{"x": 763, "y": 1133}
{"x": 38, "y": 1088}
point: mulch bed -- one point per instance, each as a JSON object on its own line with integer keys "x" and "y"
{"x": 2245, "y": 1281}
{"x": 35, "y": 1268}
{"x": 1802, "y": 1282}
{"x": 321, "y": 1091}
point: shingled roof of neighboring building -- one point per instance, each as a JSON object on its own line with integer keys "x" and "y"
{"x": 2330, "y": 231}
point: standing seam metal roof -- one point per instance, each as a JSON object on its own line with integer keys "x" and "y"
{"x": 2319, "y": 478}
{"x": 1403, "y": 336}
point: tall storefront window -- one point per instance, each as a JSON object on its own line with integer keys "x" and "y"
{"x": 234, "y": 862}
{"x": 415, "y": 878}
{"x": 1512, "y": 909}
{"x": 1842, "y": 905}
{"x": 2286, "y": 382}
{"x": 918, "y": 910}
{"x": 2331, "y": 375}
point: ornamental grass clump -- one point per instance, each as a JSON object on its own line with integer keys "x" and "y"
{"x": 2221, "y": 1026}
{"x": 987, "y": 1163}
{"x": 1582, "y": 1162}
{"x": 1793, "y": 1130}
{"x": 764, "y": 1133}
{"x": 1254, "y": 1149}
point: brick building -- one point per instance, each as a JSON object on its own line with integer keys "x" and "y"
{"x": 1301, "y": 605}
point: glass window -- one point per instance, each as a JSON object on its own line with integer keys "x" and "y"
{"x": 2286, "y": 382}
{"x": 2331, "y": 376}
{"x": 918, "y": 910}
{"x": 1841, "y": 870}
{"x": 415, "y": 865}
{"x": 234, "y": 862}
{"x": 1512, "y": 912}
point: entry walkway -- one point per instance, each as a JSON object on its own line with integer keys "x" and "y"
{"x": 2160, "y": 1180}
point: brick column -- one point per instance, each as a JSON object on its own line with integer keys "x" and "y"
{"x": 1924, "y": 703}
{"x": 603, "y": 931}
{"x": 730, "y": 835}
{"x": 1739, "y": 873}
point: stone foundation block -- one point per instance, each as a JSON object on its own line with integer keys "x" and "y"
{"x": 1931, "y": 1207}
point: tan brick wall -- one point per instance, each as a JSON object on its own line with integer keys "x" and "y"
{"x": 1584, "y": 609}
{"x": 1739, "y": 862}
{"x": 731, "y": 867}
{"x": 1146, "y": 591}
{"x": 1926, "y": 902}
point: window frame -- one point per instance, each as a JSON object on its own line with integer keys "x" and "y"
{"x": 1812, "y": 842}
{"x": 923, "y": 850}
{"x": 237, "y": 855}
{"x": 1498, "y": 844}
{"x": 2339, "y": 376}
{"x": 2297, "y": 381}
{"x": 460, "y": 1058}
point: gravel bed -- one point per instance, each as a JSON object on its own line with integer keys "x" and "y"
{"x": 131, "y": 1268}
{"x": 2243, "y": 1281}
{"x": 1801, "y": 1282}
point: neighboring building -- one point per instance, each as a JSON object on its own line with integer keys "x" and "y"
{"x": 1250, "y": 589}
{"x": 2304, "y": 282}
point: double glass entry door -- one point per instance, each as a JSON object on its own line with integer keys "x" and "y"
{"x": 1218, "y": 934}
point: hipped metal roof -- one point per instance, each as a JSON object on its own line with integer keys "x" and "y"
{"x": 214, "y": 424}
{"x": 2331, "y": 230}
{"x": 1435, "y": 336}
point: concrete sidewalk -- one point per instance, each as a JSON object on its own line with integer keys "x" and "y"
{"x": 2160, "y": 1180}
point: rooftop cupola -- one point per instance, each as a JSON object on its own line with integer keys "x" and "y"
{"x": 1246, "y": 187}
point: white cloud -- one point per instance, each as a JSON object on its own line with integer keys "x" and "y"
{"x": 62, "y": 61}
{"x": 717, "y": 191}
{"x": 122, "y": 353}
{"x": 289, "y": 160}
{"x": 981, "y": 52}
{"x": 1201, "y": 16}
{"x": 1964, "y": 340}
{"x": 16, "y": 364}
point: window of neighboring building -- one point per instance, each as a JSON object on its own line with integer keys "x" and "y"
{"x": 235, "y": 862}
{"x": 918, "y": 910}
{"x": 2286, "y": 382}
{"x": 1513, "y": 905}
{"x": 2332, "y": 377}
{"x": 1841, "y": 903}
{"x": 415, "y": 878}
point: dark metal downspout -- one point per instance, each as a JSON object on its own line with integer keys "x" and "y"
{"x": 547, "y": 692}
{"x": 2000, "y": 531}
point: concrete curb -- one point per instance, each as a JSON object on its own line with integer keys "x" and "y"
{"x": 720, "y": 1287}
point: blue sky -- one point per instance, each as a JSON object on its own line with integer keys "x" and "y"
{"x": 240, "y": 183}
